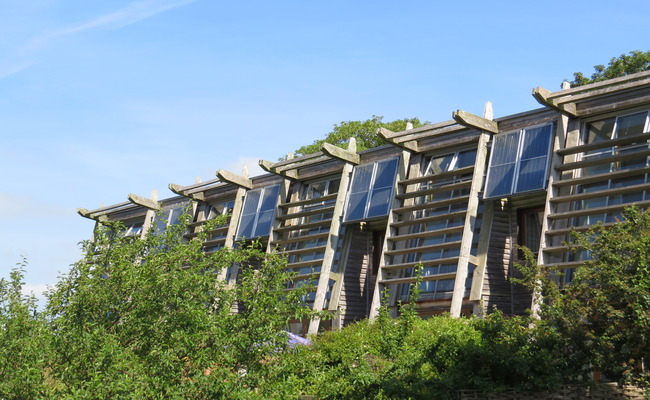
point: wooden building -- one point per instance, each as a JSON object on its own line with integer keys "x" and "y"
{"x": 453, "y": 198}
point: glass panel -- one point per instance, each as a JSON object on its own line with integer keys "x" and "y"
{"x": 500, "y": 180}
{"x": 502, "y": 165}
{"x": 466, "y": 158}
{"x": 356, "y": 206}
{"x": 630, "y": 124}
{"x": 600, "y": 131}
{"x": 505, "y": 148}
{"x": 361, "y": 179}
{"x": 532, "y": 175}
{"x": 385, "y": 176}
{"x": 270, "y": 198}
{"x": 536, "y": 142}
{"x": 379, "y": 202}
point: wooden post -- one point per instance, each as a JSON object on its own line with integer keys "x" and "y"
{"x": 333, "y": 237}
{"x": 470, "y": 224}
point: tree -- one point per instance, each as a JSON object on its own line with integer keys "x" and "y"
{"x": 23, "y": 338}
{"x": 604, "y": 312}
{"x": 150, "y": 318}
{"x": 365, "y": 132}
{"x": 625, "y": 64}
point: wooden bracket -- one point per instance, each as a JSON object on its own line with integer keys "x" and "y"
{"x": 235, "y": 179}
{"x": 84, "y": 212}
{"x": 543, "y": 97}
{"x": 474, "y": 121}
{"x": 388, "y": 136}
{"x": 178, "y": 189}
{"x": 270, "y": 167}
{"x": 341, "y": 154}
{"x": 144, "y": 202}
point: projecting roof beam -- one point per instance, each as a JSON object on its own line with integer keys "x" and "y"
{"x": 144, "y": 202}
{"x": 388, "y": 136}
{"x": 543, "y": 97}
{"x": 235, "y": 179}
{"x": 87, "y": 214}
{"x": 474, "y": 121}
{"x": 268, "y": 166}
{"x": 341, "y": 154}
{"x": 182, "y": 191}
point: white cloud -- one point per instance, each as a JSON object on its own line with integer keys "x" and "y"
{"x": 134, "y": 12}
{"x": 6, "y": 71}
{"x": 16, "y": 207}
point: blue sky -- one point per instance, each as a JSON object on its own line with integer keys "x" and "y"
{"x": 99, "y": 99}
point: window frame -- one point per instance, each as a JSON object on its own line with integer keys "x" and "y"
{"x": 275, "y": 191}
{"x": 518, "y": 161}
{"x": 370, "y": 190}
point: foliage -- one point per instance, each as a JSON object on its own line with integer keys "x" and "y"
{"x": 431, "y": 359}
{"x": 625, "y": 64}
{"x": 365, "y": 132}
{"x": 150, "y": 318}
{"x": 23, "y": 349}
{"x": 604, "y": 313}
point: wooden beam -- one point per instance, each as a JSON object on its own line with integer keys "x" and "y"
{"x": 474, "y": 121}
{"x": 144, "y": 202}
{"x": 181, "y": 191}
{"x": 543, "y": 97}
{"x": 341, "y": 154}
{"x": 235, "y": 179}
{"x": 270, "y": 167}
{"x": 387, "y": 135}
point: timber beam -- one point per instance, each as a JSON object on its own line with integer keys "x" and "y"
{"x": 272, "y": 168}
{"x": 543, "y": 96}
{"x": 389, "y": 136}
{"x": 235, "y": 179}
{"x": 181, "y": 191}
{"x": 474, "y": 121}
{"x": 341, "y": 154}
{"x": 144, "y": 202}
{"x": 84, "y": 212}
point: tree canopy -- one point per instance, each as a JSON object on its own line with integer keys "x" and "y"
{"x": 625, "y": 64}
{"x": 365, "y": 132}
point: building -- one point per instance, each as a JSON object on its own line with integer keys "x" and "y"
{"x": 455, "y": 197}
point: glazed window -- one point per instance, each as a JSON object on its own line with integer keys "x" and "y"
{"x": 371, "y": 190}
{"x": 258, "y": 212}
{"x": 519, "y": 161}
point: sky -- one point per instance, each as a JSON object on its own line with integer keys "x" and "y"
{"x": 99, "y": 99}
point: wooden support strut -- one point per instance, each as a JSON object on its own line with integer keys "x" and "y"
{"x": 474, "y": 121}
{"x": 235, "y": 179}
{"x": 341, "y": 154}
{"x": 270, "y": 167}
{"x": 144, "y": 202}
{"x": 84, "y": 212}
{"x": 387, "y": 135}
{"x": 178, "y": 189}
{"x": 543, "y": 97}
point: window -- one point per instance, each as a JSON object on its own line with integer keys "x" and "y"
{"x": 168, "y": 218}
{"x": 519, "y": 161}
{"x": 258, "y": 212}
{"x": 371, "y": 190}
{"x": 602, "y": 131}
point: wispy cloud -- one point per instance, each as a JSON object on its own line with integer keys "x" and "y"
{"x": 6, "y": 71}
{"x": 134, "y": 12}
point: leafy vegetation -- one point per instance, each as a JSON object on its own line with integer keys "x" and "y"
{"x": 149, "y": 318}
{"x": 625, "y": 64}
{"x": 603, "y": 314}
{"x": 365, "y": 133}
